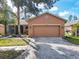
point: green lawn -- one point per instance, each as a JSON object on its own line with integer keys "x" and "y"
{"x": 12, "y": 42}
{"x": 73, "y": 39}
{"x": 9, "y": 54}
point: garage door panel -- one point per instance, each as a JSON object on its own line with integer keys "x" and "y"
{"x": 45, "y": 30}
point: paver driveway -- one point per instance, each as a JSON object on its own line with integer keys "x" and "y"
{"x": 56, "y": 48}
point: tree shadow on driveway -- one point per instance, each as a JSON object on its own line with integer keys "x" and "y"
{"x": 48, "y": 52}
{"x": 56, "y": 48}
{"x": 53, "y": 40}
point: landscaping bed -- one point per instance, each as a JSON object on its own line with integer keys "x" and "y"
{"x": 72, "y": 39}
{"x": 11, "y": 54}
{"x": 12, "y": 42}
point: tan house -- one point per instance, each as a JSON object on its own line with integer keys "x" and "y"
{"x": 13, "y": 29}
{"x": 69, "y": 27}
{"x": 1, "y": 29}
{"x": 46, "y": 25}
{"x": 69, "y": 24}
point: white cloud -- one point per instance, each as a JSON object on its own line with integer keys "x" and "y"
{"x": 9, "y": 3}
{"x": 41, "y": 5}
{"x": 63, "y": 13}
{"x": 53, "y": 9}
{"x": 12, "y": 7}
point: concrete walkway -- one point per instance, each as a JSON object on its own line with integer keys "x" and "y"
{"x": 56, "y": 48}
{"x": 5, "y": 48}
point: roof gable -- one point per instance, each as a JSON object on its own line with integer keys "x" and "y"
{"x": 45, "y": 14}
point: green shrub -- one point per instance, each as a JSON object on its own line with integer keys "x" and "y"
{"x": 74, "y": 39}
{"x": 13, "y": 35}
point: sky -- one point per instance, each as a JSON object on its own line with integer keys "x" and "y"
{"x": 62, "y": 8}
{"x": 66, "y": 8}
{"x": 10, "y": 4}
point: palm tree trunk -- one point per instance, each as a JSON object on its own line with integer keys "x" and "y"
{"x": 18, "y": 19}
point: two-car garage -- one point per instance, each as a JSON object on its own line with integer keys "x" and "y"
{"x": 46, "y": 30}
{"x": 46, "y": 25}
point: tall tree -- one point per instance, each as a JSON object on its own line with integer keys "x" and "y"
{"x": 70, "y": 17}
{"x": 75, "y": 18}
{"x": 4, "y": 12}
{"x": 18, "y": 4}
{"x": 31, "y": 6}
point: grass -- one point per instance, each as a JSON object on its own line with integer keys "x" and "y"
{"x": 11, "y": 42}
{"x": 73, "y": 39}
{"x": 9, "y": 54}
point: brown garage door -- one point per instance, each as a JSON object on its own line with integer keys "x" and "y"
{"x": 46, "y": 30}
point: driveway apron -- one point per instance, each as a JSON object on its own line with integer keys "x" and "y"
{"x": 56, "y": 48}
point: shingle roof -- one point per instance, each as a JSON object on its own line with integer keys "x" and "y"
{"x": 49, "y": 14}
{"x": 23, "y": 22}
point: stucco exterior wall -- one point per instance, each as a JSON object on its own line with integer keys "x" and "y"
{"x": 45, "y": 19}
{"x": 1, "y": 29}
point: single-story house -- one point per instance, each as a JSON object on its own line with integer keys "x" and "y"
{"x": 69, "y": 26}
{"x": 1, "y": 29}
{"x": 43, "y": 25}
{"x": 46, "y": 25}
{"x": 13, "y": 28}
